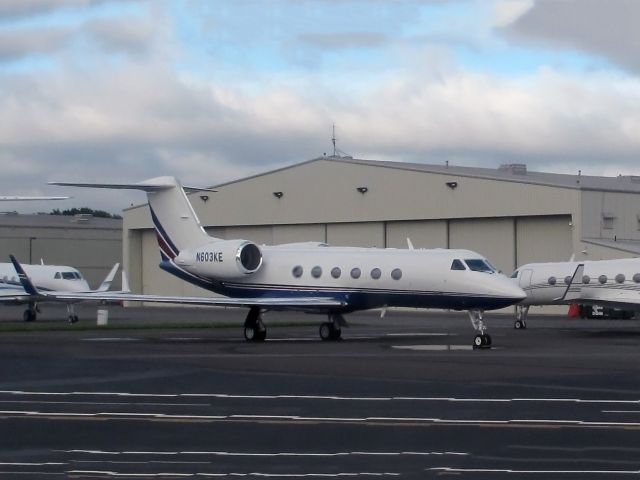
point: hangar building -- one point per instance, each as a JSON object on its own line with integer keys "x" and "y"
{"x": 511, "y": 215}
{"x": 90, "y": 244}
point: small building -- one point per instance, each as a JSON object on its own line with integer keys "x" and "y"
{"x": 510, "y": 214}
{"x": 90, "y": 244}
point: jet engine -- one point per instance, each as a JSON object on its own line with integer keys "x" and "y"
{"x": 223, "y": 259}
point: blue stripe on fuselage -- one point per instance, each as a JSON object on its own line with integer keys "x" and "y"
{"x": 354, "y": 299}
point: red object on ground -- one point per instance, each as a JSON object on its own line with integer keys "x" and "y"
{"x": 574, "y": 310}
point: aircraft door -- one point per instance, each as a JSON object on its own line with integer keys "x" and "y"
{"x": 525, "y": 281}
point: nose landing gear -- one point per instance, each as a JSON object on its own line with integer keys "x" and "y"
{"x": 482, "y": 339}
{"x": 254, "y": 329}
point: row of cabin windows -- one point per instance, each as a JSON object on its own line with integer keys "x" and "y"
{"x": 336, "y": 272}
{"x": 586, "y": 279}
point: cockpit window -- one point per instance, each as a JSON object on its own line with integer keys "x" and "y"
{"x": 57, "y": 275}
{"x": 478, "y": 265}
{"x": 514, "y": 274}
{"x": 70, "y": 276}
{"x": 457, "y": 265}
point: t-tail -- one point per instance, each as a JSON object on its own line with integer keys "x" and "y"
{"x": 186, "y": 249}
{"x": 176, "y": 224}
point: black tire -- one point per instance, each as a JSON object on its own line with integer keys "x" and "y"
{"x": 249, "y": 334}
{"x": 336, "y": 333}
{"x": 260, "y": 335}
{"x": 518, "y": 324}
{"x": 73, "y": 319}
{"x": 326, "y": 331}
{"x": 487, "y": 340}
{"x": 478, "y": 341}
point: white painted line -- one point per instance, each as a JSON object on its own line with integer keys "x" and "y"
{"x": 542, "y": 472}
{"x": 620, "y": 411}
{"x": 27, "y": 464}
{"x": 232, "y": 474}
{"x": 421, "y": 334}
{"x": 270, "y": 454}
{"x": 320, "y": 397}
{"x": 111, "y": 339}
{"x": 432, "y": 348}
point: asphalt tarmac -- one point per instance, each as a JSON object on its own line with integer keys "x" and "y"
{"x": 401, "y": 397}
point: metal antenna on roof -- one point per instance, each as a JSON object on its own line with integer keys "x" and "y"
{"x": 336, "y": 151}
{"x": 333, "y": 139}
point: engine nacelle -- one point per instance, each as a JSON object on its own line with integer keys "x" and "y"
{"x": 224, "y": 259}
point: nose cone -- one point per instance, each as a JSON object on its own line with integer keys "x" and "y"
{"x": 504, "y": 288}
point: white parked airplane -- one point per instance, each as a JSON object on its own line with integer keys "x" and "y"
{"x": 49, "y": 280}
{"x": 612, "y": 283}
{"x": 5, "y": 198}
{"x": 312, "y": 277}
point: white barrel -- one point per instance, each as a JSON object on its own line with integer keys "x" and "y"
{"x": 103, "y": 317}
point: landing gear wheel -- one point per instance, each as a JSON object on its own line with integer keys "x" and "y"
{"x": 29, "y": 316}
{"x": 73, "y": 319}
{"x": 517, "y": 324}
{"x": 255, "y": 334}
{"x": 328, "y": 331}
{"x": 482, "y": 340}
{"x": 325, "y": 331}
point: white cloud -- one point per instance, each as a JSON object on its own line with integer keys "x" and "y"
{"x": 508, "y": 11}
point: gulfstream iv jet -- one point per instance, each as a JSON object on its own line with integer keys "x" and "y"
{"x": 312, "y": 277}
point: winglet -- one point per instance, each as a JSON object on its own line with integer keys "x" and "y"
{"x": 106, "y": 283}
{"x": 573, "y": 290}
{"x": 125, "y": 283}
{"x": 24, "y": 279}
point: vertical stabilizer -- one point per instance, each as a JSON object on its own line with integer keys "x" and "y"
{"x": 176, "y": 223}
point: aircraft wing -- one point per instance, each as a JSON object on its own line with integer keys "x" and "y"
{"x": 273, "y": 302}
{"x": 31, "y": 292}
{"x": 13, "y": 295}
{"x": 629, "y": 300}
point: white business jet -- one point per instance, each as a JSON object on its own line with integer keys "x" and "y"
{"x": 312, "y": 277}
{"x": 612, "y": 283}
{"x": 49, "y": 280}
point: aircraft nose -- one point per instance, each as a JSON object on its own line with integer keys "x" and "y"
{"x": 512, "y": 290}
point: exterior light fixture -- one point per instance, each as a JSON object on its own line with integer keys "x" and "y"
{"x": 362, "y": 190}
{"x": 278, "y": 194}
{"x": 452, "y": 185}
{"x": 204, "y": 198}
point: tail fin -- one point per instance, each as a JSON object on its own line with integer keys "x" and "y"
{"x": 24, "y": 279}
{"x": 106, "y": 283}
{"x": 176, "y": 223}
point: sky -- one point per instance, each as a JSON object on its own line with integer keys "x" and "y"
{"x": 215, "y": 90}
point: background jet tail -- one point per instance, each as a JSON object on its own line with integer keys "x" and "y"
{"x": 25, "y": 281}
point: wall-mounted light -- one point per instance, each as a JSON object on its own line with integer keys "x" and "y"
{"x": 204, "y": 198}
{"x": 452, "y": 185}
{"x": 362, "y": 190}
{"x": 278, "y": 194}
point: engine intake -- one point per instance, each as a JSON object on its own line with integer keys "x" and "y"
{"x": 224, "y": 259}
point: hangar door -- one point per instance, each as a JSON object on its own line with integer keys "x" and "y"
{"x": 544, "y": 239}
{"x": 491, "y": 237}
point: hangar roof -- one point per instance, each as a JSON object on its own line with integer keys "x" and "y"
{"x": 513, "y": 173}
{"x": 58, "y": 221}
{"x": 508, "y": 173}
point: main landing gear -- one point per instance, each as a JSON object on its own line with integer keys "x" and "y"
{"x": 254, "y": 329}
{"x": 31, "y": 313}
{"x": 71, "y": 313}
{"x": 521, "y": 317}
{"x": 482, "y": 339}
{"x": 332, "y": 330}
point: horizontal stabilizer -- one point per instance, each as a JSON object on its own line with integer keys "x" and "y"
{"x": 151, "y": 185}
